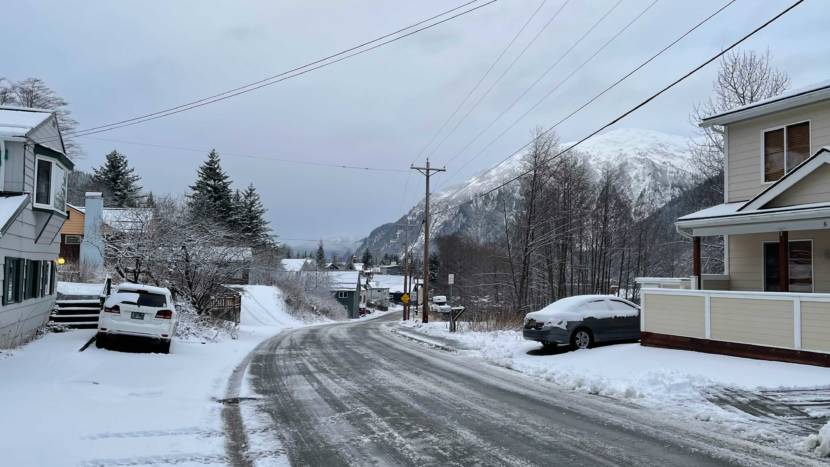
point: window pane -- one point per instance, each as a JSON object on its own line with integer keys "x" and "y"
{"x": 59, "y": 187}
{"x": 773, "y": 155}
{"x": 43, "y": 193}
{"x": 798, "y": 144}
{"x": 801, "y": 266}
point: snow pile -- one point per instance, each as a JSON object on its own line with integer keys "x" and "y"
{"x": 264, "y": 305}
{"x": 820, "y": 443}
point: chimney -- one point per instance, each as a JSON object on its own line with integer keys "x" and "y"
{"x": 92, "y": 246}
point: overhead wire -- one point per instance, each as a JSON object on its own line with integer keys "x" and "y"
{"x": 628, "y": 112}
{"x": 293, "y": 73}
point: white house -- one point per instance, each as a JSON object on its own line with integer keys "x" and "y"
{"x": 33, "y": 175}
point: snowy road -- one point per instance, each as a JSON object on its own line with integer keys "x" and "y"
{"x": 358, "y": 394}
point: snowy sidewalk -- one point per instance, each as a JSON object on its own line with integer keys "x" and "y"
{"x": 790, "y": 400}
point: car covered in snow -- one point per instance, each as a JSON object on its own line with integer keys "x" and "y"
{"x": 583, "y": 320}
{"x": 137, "y": 310}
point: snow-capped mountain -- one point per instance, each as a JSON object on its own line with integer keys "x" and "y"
{"x": 656, "y": 163}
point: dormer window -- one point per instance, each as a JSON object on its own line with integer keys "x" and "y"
{"x": 50, "y": 185}
{"x": 784, "y": 149}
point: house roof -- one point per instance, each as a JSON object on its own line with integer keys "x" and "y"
{"x": 123, "y": 219}
{"x": 294, "y": 264}
{"x": 756, "y": 214}
{"x": 10, "y": 208}
{"x": 19, "y": 121}
{"x": 795, "y": 98}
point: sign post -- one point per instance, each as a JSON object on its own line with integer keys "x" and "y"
{"x": 451, "y": 281}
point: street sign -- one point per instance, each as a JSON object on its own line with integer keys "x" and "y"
{"x": 405, "y": 298}
{"x": 451, "y": 279}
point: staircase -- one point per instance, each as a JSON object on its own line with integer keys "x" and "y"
{"x": 79, "y": 305}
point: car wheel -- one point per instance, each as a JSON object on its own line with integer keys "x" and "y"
{"x": 100, "y": 340}
{"x": 582, "y": 339}
{"x": 164, "y": 347}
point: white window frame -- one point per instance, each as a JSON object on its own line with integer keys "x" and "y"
{"x": 342, "y": 294}
{"x": 812, "y": 263}
{"x": 786, "y": 151}
{"x": 3, "y": 162}
{"x": 52, "y": 190}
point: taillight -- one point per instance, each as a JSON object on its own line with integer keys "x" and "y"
{"x": 164, "y": 314}
{"x": 115, "y": 309}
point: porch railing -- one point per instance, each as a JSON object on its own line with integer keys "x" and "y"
{"x": 796, "y": 321}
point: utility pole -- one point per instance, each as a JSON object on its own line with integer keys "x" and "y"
{"x": 426, "y": 172}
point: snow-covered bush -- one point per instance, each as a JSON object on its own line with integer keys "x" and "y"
{"x": 194, "y": 327}
{"x": 303, "y": 301}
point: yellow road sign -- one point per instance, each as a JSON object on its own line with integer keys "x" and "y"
{"x": 405, "y": 298}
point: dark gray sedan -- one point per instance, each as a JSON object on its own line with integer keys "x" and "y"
{"x": 583, "y": 320}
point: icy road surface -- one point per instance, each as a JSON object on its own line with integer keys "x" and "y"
{"x": 358, "y": 394}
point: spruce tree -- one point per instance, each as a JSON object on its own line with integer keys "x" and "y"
{"x": 251, "y": 217}
{"x": 119, "y": 181}
{"x": 211, "y": 195}
{"x": 321, "y": 255}
{"x": 367, "y": 259}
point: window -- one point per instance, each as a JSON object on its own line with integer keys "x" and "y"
{"x": 151, "y": 299}
{"x": 800, "y": 265}
{"x": 784, "y": 149}
{"x": 342, "y": 294}
{"x": 24, "y": 279}
{"x": 50, "y": 185}
{"x": 72, "y": 239}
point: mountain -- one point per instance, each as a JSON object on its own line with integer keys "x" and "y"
{"x": 658, "y": 165}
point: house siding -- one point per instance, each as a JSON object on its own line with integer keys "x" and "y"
{"x": 13, "y": 180}
{"x": 674, "y": 315}
{"x": 746, "y": 259}
{"x": 814, "y": 188}
{"x": 759, "y": 322}
{"x": 745, "y": 178}
{"x": 815, "y": 326}
{"x": 74, "y": 224}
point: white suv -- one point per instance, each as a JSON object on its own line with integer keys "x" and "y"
{"x": 139, "y": 311}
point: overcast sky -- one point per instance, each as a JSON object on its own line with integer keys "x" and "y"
{"x": 115, "y": 59}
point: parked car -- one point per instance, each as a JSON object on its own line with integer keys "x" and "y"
{"x": 583, "y": 320}
{"x": 137, "y": 310}
{"x": 439, "y": 305}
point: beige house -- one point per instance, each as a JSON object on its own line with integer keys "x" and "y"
{"x": 773, "y": 301}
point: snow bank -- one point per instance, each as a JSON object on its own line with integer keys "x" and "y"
{"x": 101, "y": 407}
{"x": 820, "y": 443}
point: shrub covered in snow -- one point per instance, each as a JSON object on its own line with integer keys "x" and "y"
{"x": 820, "y": 443}
{"x": 194, "y": 327}
{"x": 303, "y": 302}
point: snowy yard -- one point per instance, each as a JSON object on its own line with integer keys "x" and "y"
{"x": 100, "y": 407}
{"x": 681, "y": 382}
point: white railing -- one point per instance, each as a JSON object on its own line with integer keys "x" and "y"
{"x": 743, "y": 317}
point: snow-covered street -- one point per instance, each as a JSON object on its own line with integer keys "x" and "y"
{"x": 788, "y": 401}
{"x": 101, "y": 407}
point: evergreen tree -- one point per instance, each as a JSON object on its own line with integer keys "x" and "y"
{"x": 251, "y": 216}
{"x": 211, "y": 195}
{"x": 321, "y": 255}
{"x": 367, "y": 258}
{"x": 119, "y": 181}
{"x": 150, "y": 201}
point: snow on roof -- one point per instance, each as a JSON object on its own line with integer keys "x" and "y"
{"x": 123, "y": 219}
{"x": 294, "y": 264}
{"x": 807, "y": 94}
{"x": 10, "y": 206}
{"x": 19, "y": 121}
{"x": 389, "y": 281}
{"x": 719, "y": 210}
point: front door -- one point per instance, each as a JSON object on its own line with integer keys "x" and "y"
{"x": 800, "y": 266}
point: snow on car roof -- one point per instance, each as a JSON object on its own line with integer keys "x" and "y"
{"x": 569, "y": 309}
{"x": 131, "y": 287}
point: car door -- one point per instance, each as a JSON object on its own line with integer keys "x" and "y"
{"x": 626, "y": 321}
{"x": 596, "y": 319}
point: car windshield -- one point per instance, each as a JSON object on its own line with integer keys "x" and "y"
{"x": 150, "y": 299}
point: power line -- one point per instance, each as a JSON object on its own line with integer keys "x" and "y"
{"x": 253, "y": 156}
{"x": 622, "y": 78}
{"x": 538, "y": 79}
{"x": 480, "y": 81}
{"x": 293, "y": 73}
{"x": 633, "y": 109}
{"x": 552, "y": 90}
{"x": 501, "y": 76}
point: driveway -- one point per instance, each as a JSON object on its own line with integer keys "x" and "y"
{"x": 358, "y": 394}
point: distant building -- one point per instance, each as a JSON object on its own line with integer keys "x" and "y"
{"x": 297, "y": 264}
